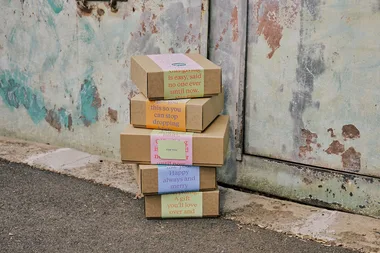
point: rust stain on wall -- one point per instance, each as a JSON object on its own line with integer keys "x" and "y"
{"x": 221, "y": 37}
{"x": 335, "y": 148}
{"x": 350, "y": 132}
{"x": 100, "y": 12}
{"x": 351, "y": 160}
{"x": 269, "y": 24}
{"x": 307, "y": 180}
{"x": 84, "y": 9}
{"x": 310, "y": 138}
{"x": 290, "y": 12}
{"x": 235, "y": 24}
{"x": 143, "y": 27}
{"x": 112, "y": 114}
{"x": 331, "y": 131}
{"x": 304, "y": 150}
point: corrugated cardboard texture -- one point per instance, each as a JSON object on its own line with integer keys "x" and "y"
{"x": 210, "y": 205}
{"x": 209, "y": 147}
{"x": 200, "y": 112}
{"x": 149, "y": 179}
{"x": 149, "y": 77}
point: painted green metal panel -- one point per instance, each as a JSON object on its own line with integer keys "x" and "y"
{"x": 320, "y": 187}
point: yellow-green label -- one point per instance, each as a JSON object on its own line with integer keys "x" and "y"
{"x": 183, "y": 84}
{"x": 183, "y": 77}
{"x": 172, "y": 149}
{"x": 181, "y": 205}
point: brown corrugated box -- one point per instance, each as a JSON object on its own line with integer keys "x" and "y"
{"x": 209, "y": 148}
{"x": 149, "y": 77}
{"x": 184, "y": 206}
{"x": 149, "y": 179}
{"x": 200, "y": 112}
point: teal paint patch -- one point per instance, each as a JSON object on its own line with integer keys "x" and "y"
{"x": 49, "y": 62}
{"x": 56, "y": 5}
{"x": 50, "y": 22}
{"x": 52, "y": 58}
{"x": 15, "y": 93}
{"x": 11, "y": 36}
{"x": 65, "y": 118}
{"x": 88, "y": 33}
{"x": 89, "y": 101}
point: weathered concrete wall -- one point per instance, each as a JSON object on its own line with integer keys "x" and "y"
{"x": 64, "y": 69}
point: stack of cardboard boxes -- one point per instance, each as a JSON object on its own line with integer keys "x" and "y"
{"x": 176, "y": 134}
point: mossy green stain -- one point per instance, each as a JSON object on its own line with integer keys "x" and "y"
{"x": 15, "y": 93}
{"x": 89, "y": 102}
{"x": 56, "y": 5}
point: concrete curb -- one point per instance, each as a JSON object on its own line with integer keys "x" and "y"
{"x": 307, "y": 222}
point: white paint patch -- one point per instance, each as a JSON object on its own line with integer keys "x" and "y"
{"x": 317, "y": 225}
{"x": 30, "y": 160}
{"x": 62, "y": 159}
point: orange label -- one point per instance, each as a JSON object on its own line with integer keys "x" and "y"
{"x": 166, "y": 115}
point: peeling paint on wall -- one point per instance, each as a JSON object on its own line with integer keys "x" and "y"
{"x": 15, "y": 92}
{"x": 269, "y": 24}
{"x": 90, "y": 102}
{"x": 351, "y": 160}
{"x": 335, "y": 148}
{"x": 350, "y": 132}
{"x": 112, "y": 114}
{"x": 56, "y": 5}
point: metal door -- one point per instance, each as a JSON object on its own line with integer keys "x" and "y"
{"x": 313, "y": 83}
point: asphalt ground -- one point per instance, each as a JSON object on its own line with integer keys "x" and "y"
{"x": 41, "y": 211}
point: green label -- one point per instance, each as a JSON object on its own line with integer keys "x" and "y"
{"x": 172, "y": 149}
{"x": 181, "y": 205}
{"x": 183, "y": 84}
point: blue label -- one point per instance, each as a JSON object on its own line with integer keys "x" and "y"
{"x": 177, "y": 179}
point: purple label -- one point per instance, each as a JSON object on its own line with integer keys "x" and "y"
{"x": 177, "y": 179}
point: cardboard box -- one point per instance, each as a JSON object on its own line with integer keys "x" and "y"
{"x": 163, "y": 179}
{"x": 183, "y": 205}
{"x": 173, "y": 76}
{"x": 176, "y": 148}
{"x": 192, "y": 115}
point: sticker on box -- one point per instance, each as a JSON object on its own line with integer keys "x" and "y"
{"x": 182, "y": 205}
{"x": 166, "y": 115}
{"x": 183, "y": 77}
{"x": 177, "y": 179}
{"x": 173, "y": 148}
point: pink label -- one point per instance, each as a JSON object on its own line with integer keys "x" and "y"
{"x": 182, "y": 137}
{"x": 169, "y": 62}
